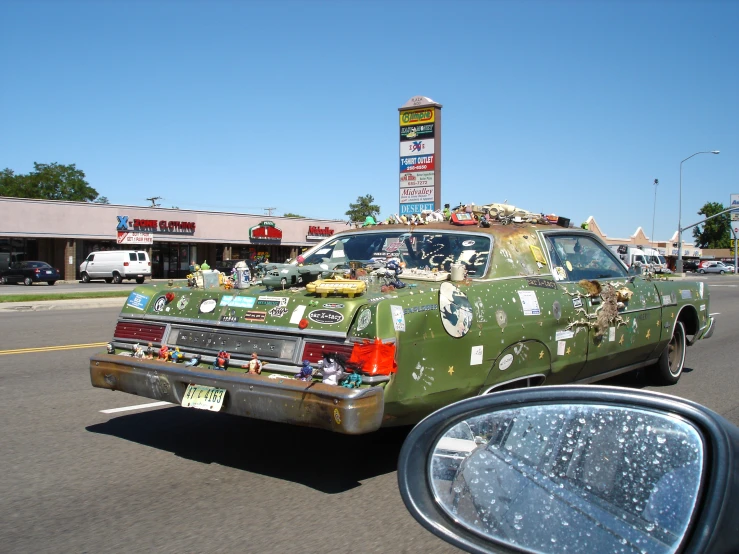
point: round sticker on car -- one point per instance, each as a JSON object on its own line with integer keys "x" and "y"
{"x": 505, "y": 362}
{"x": 207, "y": 306}
{"x": 364, "y": 319}
{"x": 455, "y": 309}
{"x": 182, "y": 302}
{"x": 159, "y": 304}
{"x": 327, "y": 317}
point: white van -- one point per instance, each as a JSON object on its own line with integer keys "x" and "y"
{"x": 115, "y": 265}
{"x": 629, "y": 255}
{"x": 656, "y": 260}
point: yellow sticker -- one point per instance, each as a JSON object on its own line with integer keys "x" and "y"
{"x": 337, "y": 416}
{"x": 538, "y": 254}
{"x": 569, "y": 265}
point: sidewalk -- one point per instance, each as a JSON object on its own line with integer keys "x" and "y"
{"x": 73, "y": 304}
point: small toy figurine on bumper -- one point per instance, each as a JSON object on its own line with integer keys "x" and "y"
{"x": 306, "y": 372}
{"x": 352, "y": 380}
{"x": 221, "y": 362}
{"x": 138, "y": 351}
{"x": 177, "y": 356}
{"x": 164, "y": 353}
{"x": 254, "y": 365}
{"x": 333, "y": 368}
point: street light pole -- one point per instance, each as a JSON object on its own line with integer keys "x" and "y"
{"x": 679, "y": 265}
{"x": 654, "y": 212}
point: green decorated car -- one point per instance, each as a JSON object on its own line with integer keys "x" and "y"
{"x": 420, "y": 317}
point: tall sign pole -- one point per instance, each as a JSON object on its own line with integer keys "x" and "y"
{"x": 420, "y": 156}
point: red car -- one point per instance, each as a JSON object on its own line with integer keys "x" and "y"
{"x": 29, "y": 273}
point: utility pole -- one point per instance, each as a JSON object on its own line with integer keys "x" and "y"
{"x": 153, "y": 200}
{"x": 269, "y": 211}
{"x": 654, "y": 212}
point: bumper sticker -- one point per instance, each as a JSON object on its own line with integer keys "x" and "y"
{"x": 138, "y": 301}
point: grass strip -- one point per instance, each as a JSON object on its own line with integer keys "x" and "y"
{"x": 62, "y": 296}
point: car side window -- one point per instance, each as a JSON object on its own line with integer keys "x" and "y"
{"x": 132, "y": 257}
{"x": 582, "y": 257}
{"x": 142, "y": 257}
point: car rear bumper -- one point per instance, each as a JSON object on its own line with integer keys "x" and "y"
{"x": 285, "y": 400}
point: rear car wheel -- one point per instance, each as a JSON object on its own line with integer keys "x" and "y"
{"x": 85, "y": 278}
{"x": 4, "y": 280}
{"x": 669, "y": 367}
{"x": 140, "y": 280}
{"x": 28, "y": 281}
{"x": 117, "y": 279}
{"x": 701, "y": 271}
{"x": 722, "y": 272}
{"x": 50, "y": 283}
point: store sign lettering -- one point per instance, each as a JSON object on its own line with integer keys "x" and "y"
{"x": 417, "y": 163}
{"x": 413, "y": 117}
{"x": 153, "y": 225}
{"x": 320, "y": 231}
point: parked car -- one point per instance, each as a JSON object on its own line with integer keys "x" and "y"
{"x": 434, "y": 314}
{"x": 29, "y": 273}
{"x": 715, "y": 267}
{"x": 690, "y": 265}
{"x": 113, "y": 266}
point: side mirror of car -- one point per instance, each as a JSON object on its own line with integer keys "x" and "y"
{"x": 575, "y": 469}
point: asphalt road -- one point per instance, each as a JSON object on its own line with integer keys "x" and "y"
{"x": 169, "y": 479}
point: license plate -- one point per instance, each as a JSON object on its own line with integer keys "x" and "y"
{"x": 48, "y": 272}
{"x": 203, "y": 398}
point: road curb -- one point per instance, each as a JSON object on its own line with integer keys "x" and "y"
{"x": 71, "y": 304}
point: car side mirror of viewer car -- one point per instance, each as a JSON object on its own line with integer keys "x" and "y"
{"x": 575, "y": 469}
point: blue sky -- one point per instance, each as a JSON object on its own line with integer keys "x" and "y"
{"x": 571, "y": 108}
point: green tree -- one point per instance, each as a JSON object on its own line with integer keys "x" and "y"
{"x": 101, "y": 200}
{"x": 363, "y": 207}
{"x": 716, "y": 232}
{"x": 48, "y": 181}
{"x": 290, "y": 214}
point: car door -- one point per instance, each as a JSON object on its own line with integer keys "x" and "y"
{"x": 619, "y": 335}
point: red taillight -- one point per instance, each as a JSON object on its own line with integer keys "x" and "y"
{"x": 37, "y": 271}
{"x": 139, "y": 331}
{"x": 125, "y": 263}
{"x": 149, "y": 264}
{"x": 314, "y": 351}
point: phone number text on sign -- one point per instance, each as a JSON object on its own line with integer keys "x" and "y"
{"x": 417, "y": 179}
{"x": 417, "y": 163}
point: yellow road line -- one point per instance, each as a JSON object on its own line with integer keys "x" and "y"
{"x": 52, "y": 348}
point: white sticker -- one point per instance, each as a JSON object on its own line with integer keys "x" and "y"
{"x": 559, "y": 273}
{"x": 700, "y": 288}
{"x": 321, "y": 251}
{"x": 337, "y": 254}
{"x": 505, "y": 362}
{"x": 207, "y": 306}
{"x": 284, "y": 271}
{"x": 564, "y": 334}
{"x": 561, "y": 348}
{"x": 703, "y": 307}
{"x": 476, "y": 355}
{"x": 685, "y": 294}
{"x": 529, "y": 302}
{"x": 364, "y": 319}
{"x": 468, "y": 243}
{"x": 398, "y": 317}
{"x": 577, "y": 302}
{"x": 297, "y": 314}
{"x": 611, "y": 334}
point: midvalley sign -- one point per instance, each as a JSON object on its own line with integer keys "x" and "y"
{"x": 318, "y": 233}
{"x": 155, "y": 226}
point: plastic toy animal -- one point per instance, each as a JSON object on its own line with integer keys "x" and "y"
{"x": 164, "y": 353}
{"x": 221, "y": 362}
{"x": 306, "y": 372}
{"x": 138, "y": 351}
{"x": 352, "y": 380}
{"x": 195, "y": 360}
{"x": 333, "y": 368}
{"x": 177, "y": 356}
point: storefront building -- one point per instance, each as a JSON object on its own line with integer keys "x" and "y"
{"x": 64, "y": 233}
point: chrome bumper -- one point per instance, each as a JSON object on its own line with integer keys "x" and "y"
{"x": 285, "y": 400}
{"x": 709, "y": 328}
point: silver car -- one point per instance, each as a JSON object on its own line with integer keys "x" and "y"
{"x": 716, "y": 267}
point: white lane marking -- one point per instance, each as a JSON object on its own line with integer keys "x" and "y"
{"x": 137, "y": 407}
{"x": 712, "y": 285}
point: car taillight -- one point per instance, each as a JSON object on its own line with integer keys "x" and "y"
{"x": 149, "y": 264}
{"x": 37, "y": 270}
{"x": 314, "y": 351}
{"x": 125, "y": 263}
